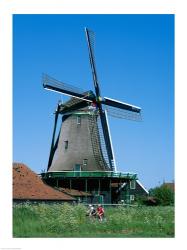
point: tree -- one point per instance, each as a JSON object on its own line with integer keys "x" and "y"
{"x": 163, "y": 195}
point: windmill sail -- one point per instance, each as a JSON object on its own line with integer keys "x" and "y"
{"x": 53, "y": 144}
{"x": 52, "y": 84}
{"x": 90, "y": 41}
{"x": 121, "y": 105}
{"x": 123, "y": 114}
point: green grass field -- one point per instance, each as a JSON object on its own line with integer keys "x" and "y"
{"x": 71, "y": 221}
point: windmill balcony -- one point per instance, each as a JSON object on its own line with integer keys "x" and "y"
{"x": 112, "y": 174}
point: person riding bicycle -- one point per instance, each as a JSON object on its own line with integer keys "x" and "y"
{"x": 100, "y": 212}
{"x": 91, "y": 211}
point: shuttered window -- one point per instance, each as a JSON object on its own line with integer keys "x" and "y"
{"x": 132, "y": 184}
{"x": 65, "y": 145}
{"x": 78, "y": 120}
{"x": 85, "y": 162}
{"x": 132, "y": 197}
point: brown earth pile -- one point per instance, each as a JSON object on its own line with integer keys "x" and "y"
{"x": 27, "y": 185}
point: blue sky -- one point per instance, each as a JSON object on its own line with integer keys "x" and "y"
{"x": 135, "y": 64}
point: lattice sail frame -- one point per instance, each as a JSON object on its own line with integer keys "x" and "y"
{"x": 123, "y": 114}
{"x": 48, "y": 79}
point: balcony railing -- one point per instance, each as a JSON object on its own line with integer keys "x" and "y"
{"x": 88, "y": 174}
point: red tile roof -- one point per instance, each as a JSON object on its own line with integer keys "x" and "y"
{"x": 74, "y": 192}
{"x": 27, "y": 185}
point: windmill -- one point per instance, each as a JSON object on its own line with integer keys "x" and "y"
{"x": 84, "y": 141}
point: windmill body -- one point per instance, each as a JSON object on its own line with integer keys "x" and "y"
{"x": 83, "y": 146}
{"x": 79, "y": 144}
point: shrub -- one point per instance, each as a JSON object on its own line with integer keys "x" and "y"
{"x": 163, "y": 195}
{"x": 140, "y": 199}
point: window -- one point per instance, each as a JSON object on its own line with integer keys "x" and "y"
{"x": 78, "y": 120}
{"x": 85, "y": 162}
{"x": 66, "y": 145}
{"x": 133, "y": 184}
{"x": 132, "y": 197}
{"x": 77, "y": 167}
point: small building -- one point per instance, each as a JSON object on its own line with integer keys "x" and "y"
{"x": 28, "y": 186}
{"x": 75, "y": 187}
{"x": 97, "y": 186}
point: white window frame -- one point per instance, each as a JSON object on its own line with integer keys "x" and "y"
{"x": 78, "y": 120}
{"x": 132, "y": 196}
{"x": 133, "y": 184}
{"x": 85, "y": 162}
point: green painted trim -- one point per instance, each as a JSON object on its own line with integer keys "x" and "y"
{"x": 127, "y": 200}
{"x": 87, "y": 174}
{"x": 82, "y": 113}
{"x": 86, "y": 189}
{"x": 110, "y": 191}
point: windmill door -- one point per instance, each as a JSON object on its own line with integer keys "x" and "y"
{"x": 100, "y": 199}
{"x": 77, "y": 169}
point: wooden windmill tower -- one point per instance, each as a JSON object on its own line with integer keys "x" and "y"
{"x": 84, "y": 143}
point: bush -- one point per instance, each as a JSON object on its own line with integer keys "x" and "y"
{"x": 163, "y": 195}
{"x": 140, "y": 199}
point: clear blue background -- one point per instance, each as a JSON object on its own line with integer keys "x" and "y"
{"x": 135, "y": 64}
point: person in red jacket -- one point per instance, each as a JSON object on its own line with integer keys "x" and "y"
{"x": 100, "y": 212}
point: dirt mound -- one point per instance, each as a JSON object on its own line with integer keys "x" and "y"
{"x": 27, "y": 185}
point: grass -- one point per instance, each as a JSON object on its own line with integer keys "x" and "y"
{"x": 66, "y": 220}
